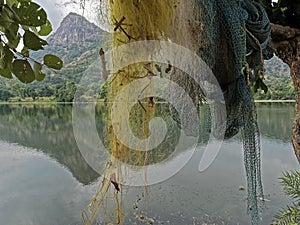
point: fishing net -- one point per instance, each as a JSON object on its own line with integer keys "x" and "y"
{"x": 236, "y": 36}
{"x": 231, "y": 36}
{"x": 234, "y": 41}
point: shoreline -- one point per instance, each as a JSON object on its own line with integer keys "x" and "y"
{"x": 68, "y": 103}
{"x": 274, "y": 101}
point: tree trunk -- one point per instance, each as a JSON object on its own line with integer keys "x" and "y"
{"x": 286, "y": 41}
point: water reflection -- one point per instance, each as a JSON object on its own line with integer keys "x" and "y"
{"x": 275, "y": 120}
{"x": 49, "y": 129}
{"x": 185, "y": 199}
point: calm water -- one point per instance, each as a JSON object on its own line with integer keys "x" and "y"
{"x": 44, "y": 180}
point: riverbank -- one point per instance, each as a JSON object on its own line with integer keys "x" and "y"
{"x": 101, "y": 100}
{"x": 274, "y": 101}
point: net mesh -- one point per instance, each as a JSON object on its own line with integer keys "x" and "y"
{"x": 235, "y": 36}
{"x": 229, "y": 35}
{"x": 236, "y": 33}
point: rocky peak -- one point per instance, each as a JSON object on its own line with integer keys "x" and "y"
{"x": 75, "y": 29}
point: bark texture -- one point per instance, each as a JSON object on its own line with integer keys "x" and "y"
{"x": 286, "y": 41}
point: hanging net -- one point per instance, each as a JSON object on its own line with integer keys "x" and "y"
{"x": 231, "y": 36}
{"x": 234, "y": 40}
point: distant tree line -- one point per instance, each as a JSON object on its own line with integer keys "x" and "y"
{"x": 279, "y": 88}
{"x": 63, "y": 92}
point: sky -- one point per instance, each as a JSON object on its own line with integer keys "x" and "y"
{"x": 58, "y": 9}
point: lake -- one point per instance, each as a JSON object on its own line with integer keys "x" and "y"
{"x": 44, "y": 179}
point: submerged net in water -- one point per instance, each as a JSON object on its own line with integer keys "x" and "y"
{"x": 231, "y": 36}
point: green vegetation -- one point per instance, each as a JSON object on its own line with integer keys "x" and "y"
{"x": 284, "y": 12}
{"x": 26, "y": 21}
{"x": 279, "y": 88}
{"x": 62, "y": 87}
{"x": 291, "y": 214}
{"x": 277, "y": 78}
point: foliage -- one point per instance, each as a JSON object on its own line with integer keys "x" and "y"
{"x": 5, "y": 95}
{"x": 257, "y": 82}
{"x": 27, "y": 21}
{"x": 66, "y": 92}
{"x": 278, "y": 80}
{"x": 104, "y": 91}
{"x": 291, "y": 185}
{"x": 279, "y": 88}
{"x": 284, "y": 12}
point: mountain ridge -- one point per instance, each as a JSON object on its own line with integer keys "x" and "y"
{"x": 82, "y": 30}
{"x": 76, "y": 36}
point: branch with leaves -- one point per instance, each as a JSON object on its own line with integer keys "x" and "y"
{"x": 22, "y": 24}
{"x": 291, "y": 214}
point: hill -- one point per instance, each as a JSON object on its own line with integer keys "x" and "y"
{"x": 278, "y": 80}
{"x": 77, "y": 43}
{"x": 275, "y": 67}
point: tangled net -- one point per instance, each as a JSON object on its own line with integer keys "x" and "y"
{"x": 231, "y": 36}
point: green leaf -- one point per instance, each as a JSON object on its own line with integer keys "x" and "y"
{"x": 6, "y": 73}
{"x": 24, "y": 0}
{"x": 30, "y": 14}
{"x": 15, "y": 43}
{"x": 45, "y": 29}
{"x": 291, "y": 184}
{"x": 33, "y": 29}
{"x": 12, "y": 34}
{"x": 39, "y": 75}
{"x": 32, "y": 41}
{"x": 264, "y": 87}
{"x": 6, "y": 57}
{"x": 11, "y": 2}
{"x": 1, "y": 2}
{"x": 6, "y": 17}
{"x": 255, "y": 86}
{"x": 23, "y": 71}
{"x": 53, "y": 62}
{"x": 25, "y": 51}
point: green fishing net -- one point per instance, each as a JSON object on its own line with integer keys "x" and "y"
{"x": 246, "y": 29}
